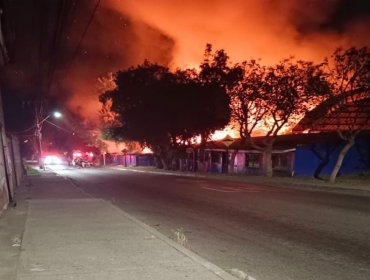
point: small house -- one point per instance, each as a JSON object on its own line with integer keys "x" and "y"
{"x": 312, "y": 154}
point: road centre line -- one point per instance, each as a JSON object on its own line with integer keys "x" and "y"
{"x": 218, "y": 190}
{"x": 230, "y": 189}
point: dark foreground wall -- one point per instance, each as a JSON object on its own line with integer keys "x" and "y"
{"x": 11, "y": 169}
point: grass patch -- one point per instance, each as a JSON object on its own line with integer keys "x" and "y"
{"x": 31, "y": 171}
{"x": 180, "y": 237}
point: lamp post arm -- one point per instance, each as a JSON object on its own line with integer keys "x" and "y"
{"x": 41, "y": 122}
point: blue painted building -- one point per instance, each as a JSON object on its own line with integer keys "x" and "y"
{"x": 318, "y": 159}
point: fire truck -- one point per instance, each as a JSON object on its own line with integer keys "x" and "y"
{"x": 84, "y": 157}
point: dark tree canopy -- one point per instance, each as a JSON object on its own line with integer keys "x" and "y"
{"x": 159, "y": 108}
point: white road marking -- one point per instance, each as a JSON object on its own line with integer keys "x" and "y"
{"x": 229, "y": 189}
{"x": 218, "y": 190}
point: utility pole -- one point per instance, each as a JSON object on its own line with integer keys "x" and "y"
{"x": 39, "y": 141}
{"x": 38, "y": 135}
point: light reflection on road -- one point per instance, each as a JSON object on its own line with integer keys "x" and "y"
{"x": 59, "y": 167}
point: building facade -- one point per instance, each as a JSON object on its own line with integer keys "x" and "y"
{"x": 312, "y": 155}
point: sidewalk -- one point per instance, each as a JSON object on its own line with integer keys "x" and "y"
{"x": 59, "y": 232}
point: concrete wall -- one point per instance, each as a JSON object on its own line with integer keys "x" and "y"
{"x": 18, "y": 163}
{"x": 4, "y": 194}
{"x": 11, "y": 169}
{"x": 4, "y": 188}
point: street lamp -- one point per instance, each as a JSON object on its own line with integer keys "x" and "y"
{"x": 57, "y": 115}
{"x": 39, "y": 135}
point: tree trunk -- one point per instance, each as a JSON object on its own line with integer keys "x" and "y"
{"x": 164, "y": 163}
{"x": 158, "y": 161}
{"x": 269, "y": 171}
{"x": 232, "y": 161}
{"x": 174, "y": 163}
{"x": 340, "y": 159}
{"x": 203, "y": 161}
{"x": 324, "y": 160}
{"x": 268, "y": 154}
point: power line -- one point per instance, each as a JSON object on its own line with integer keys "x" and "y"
{"x": 57, "y": 126}
{"x": 63, "y": 9}
{"x": 22, "y": 131}
{"x": 84, "y": 33}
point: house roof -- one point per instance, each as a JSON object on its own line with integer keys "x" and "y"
{"x": 282, "y": 142}
{"x": 345, "y": 112}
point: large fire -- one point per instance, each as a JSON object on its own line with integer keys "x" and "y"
{"x": 175, "y": 33}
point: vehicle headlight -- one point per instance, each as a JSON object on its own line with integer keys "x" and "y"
{"x": 48, "y": 160}
{"x": 57, "y": 160}
{"x": 52, "y": 160}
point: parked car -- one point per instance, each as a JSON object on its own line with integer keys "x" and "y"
{"x": 51, "y": 159}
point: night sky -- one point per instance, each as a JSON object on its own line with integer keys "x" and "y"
{"x": 47, "y": 62}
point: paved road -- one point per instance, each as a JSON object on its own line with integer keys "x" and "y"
{"x": 268, "y": 233}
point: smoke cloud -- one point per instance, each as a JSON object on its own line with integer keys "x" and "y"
{"x": 266, "y": 29}
{"x": 175, "y": 32}
{"x": 113, "y": 42}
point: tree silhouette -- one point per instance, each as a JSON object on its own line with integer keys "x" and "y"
{"x": 163, "y": 109}
{"x": 216, "y": 69}
{"x": 347, "y": 109}
{"x": 275, "y": 98}
{"x": 248, "y": 100}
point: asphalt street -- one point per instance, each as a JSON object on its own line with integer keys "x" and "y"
{"x": 264, "y": 232}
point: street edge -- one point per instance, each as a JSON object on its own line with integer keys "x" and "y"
{"x": 207, "y": 264}
{"x": 306, "y": 187}
{"x": 222, "y": 274}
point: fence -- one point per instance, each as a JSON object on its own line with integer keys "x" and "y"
{"x": 129, "y": 159}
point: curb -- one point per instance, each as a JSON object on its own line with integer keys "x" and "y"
{"x": 222, "y": 274}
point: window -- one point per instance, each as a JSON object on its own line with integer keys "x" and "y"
{"x": 280, "y": 161}
{"x": 253, "y": 160}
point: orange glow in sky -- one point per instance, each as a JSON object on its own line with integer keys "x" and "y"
{"x": 269, "y": 30}
{"x": 244, "y": 28}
